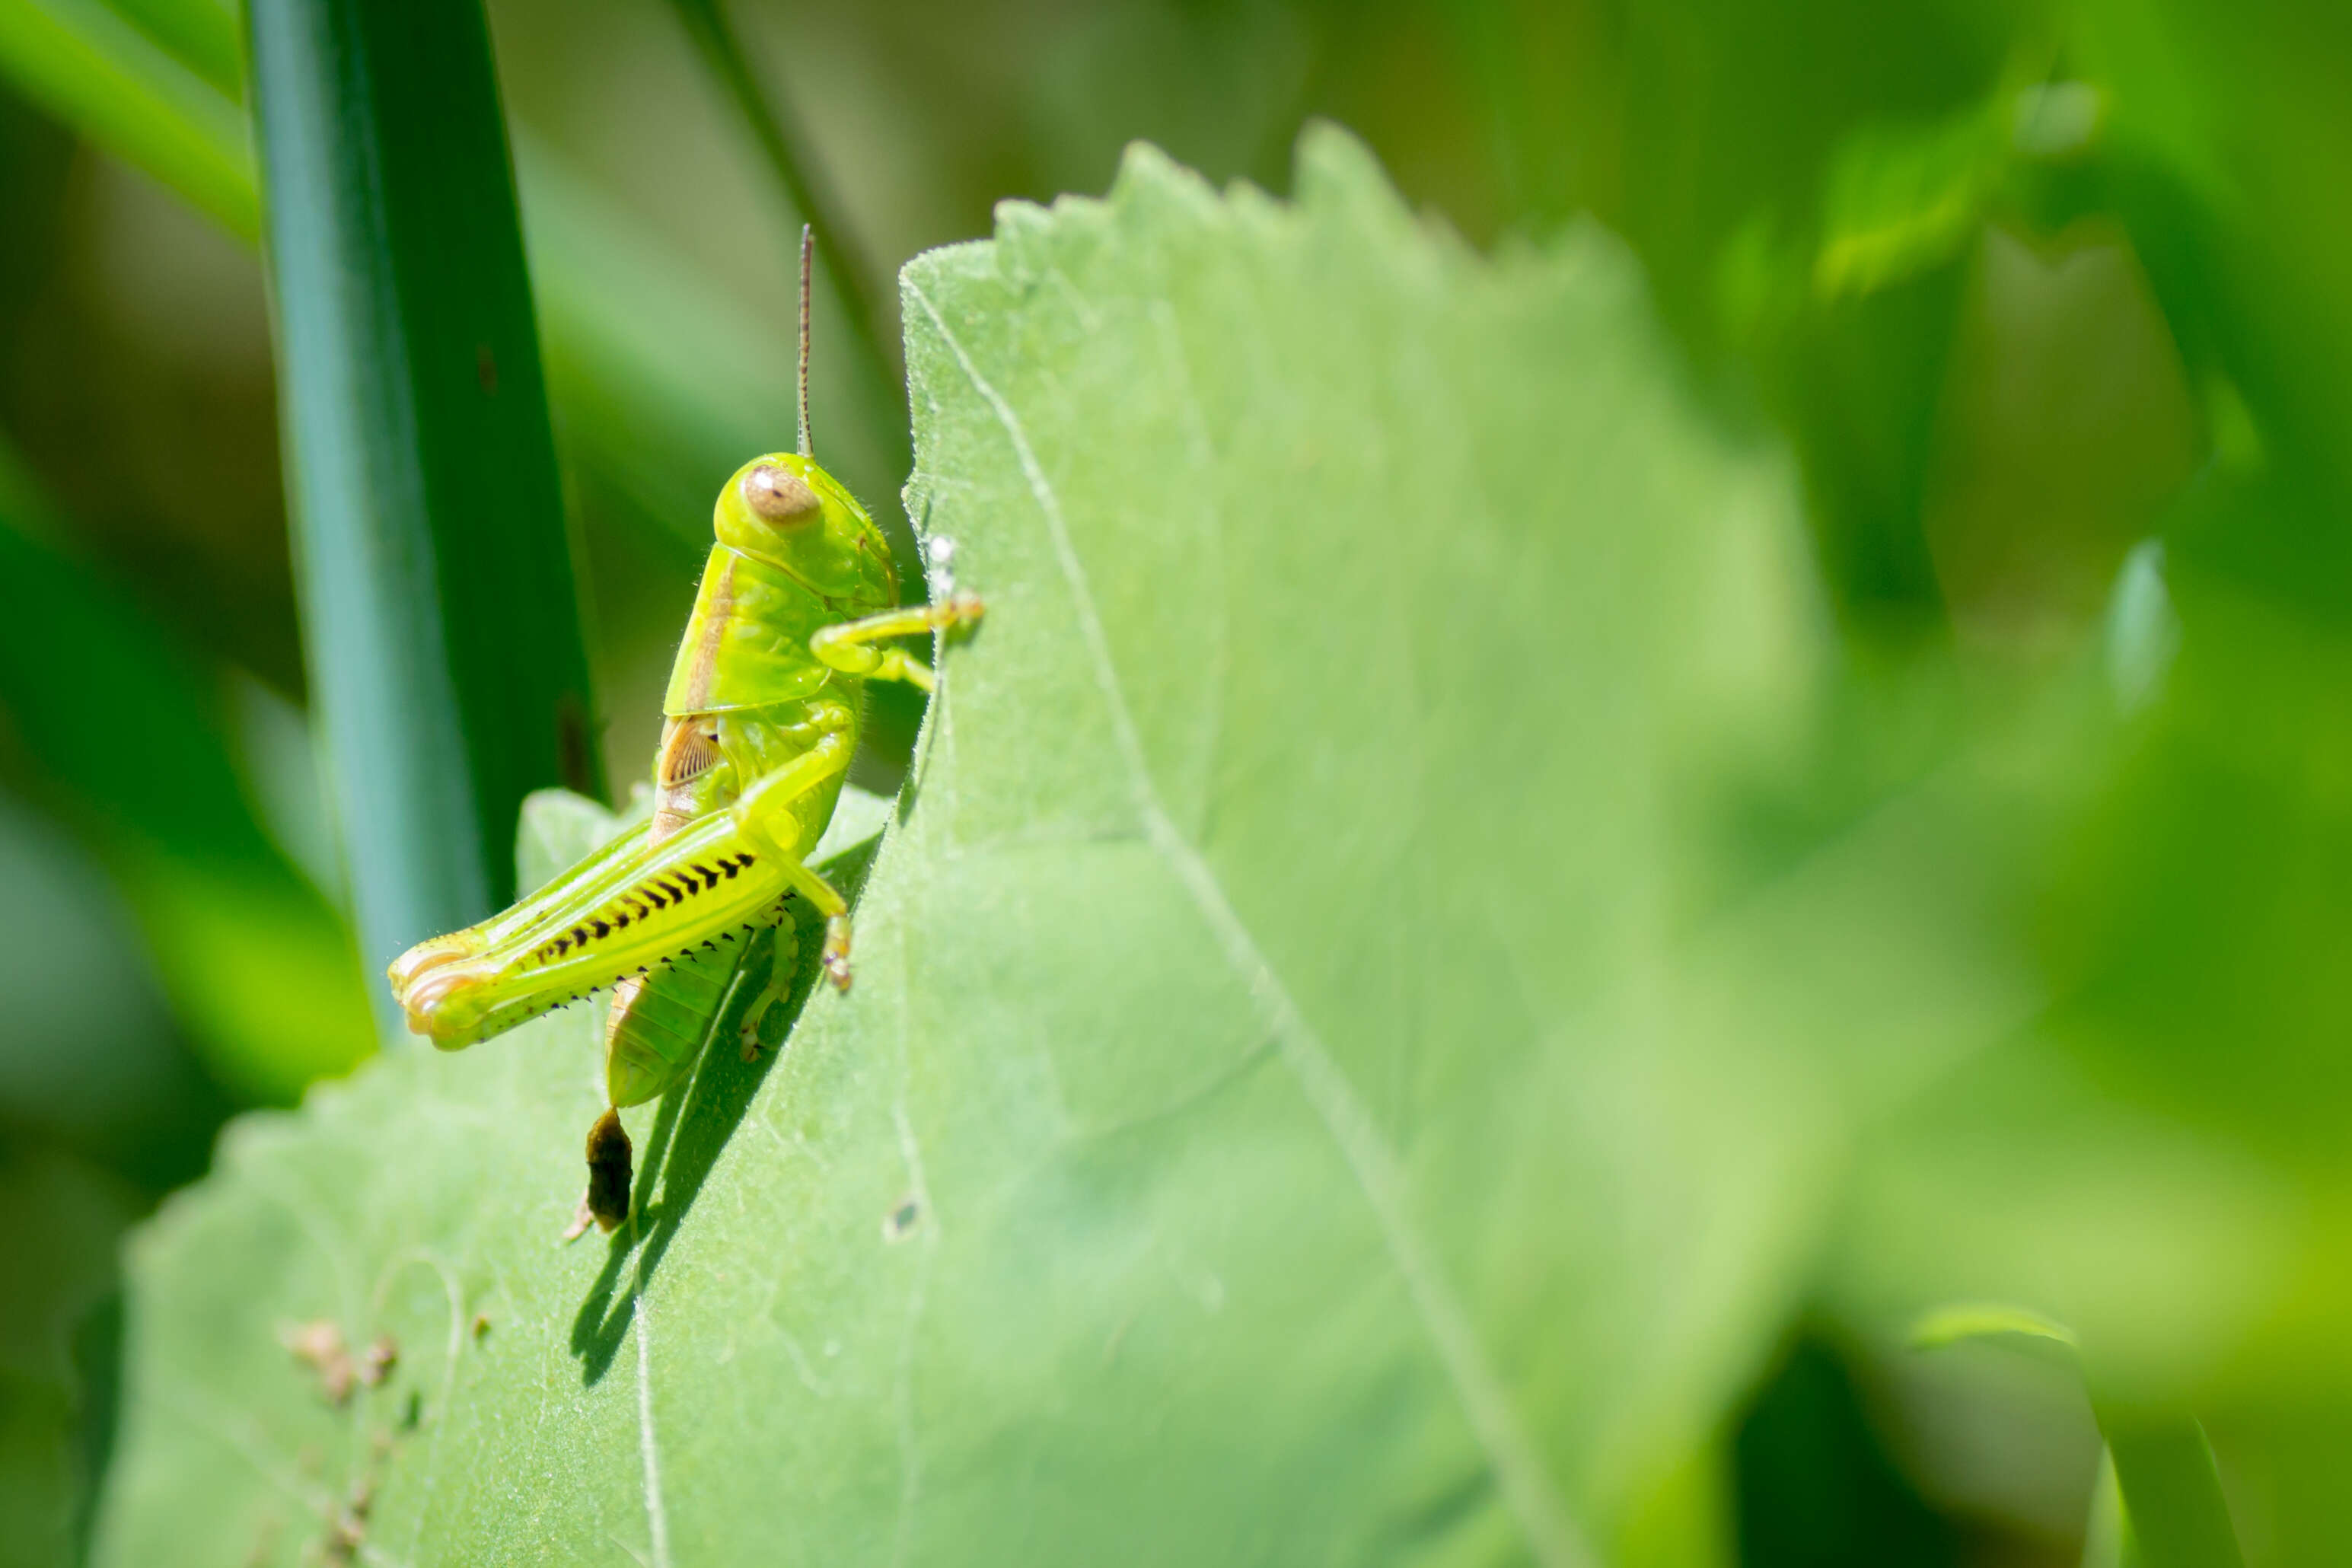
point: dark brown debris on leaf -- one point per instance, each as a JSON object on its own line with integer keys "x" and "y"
{"x": 378, "y": 1360}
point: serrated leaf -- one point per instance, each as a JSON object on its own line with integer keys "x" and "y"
{"x": 1302, "y": 1096}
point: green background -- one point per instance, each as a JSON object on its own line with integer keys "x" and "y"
{"x": 1755, "y": 662}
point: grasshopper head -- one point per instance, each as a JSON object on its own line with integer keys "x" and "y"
{"x": 786, "y": 511}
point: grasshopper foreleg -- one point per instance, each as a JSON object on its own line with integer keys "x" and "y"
{"x": 847, "y": 646}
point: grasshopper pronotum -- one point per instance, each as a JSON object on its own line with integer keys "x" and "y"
{"x": 761, "y": 718}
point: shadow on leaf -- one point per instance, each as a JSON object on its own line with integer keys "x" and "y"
{"x": 693, "y": 1127}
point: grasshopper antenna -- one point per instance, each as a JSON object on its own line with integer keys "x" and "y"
{"x": 808, "y": 243}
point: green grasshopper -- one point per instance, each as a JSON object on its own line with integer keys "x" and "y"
{"x": 762, "y": 716}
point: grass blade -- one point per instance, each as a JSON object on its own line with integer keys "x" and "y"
{"x": 780, "y": 142}
{"x": 661, "y": 381}
{"x": 2168, "y": 1490}
{"x": 443, "y": 623}
{"x": 158, "y": 107}
{"x": 2171, "y": 1491}
{"x": 784, "y": 143}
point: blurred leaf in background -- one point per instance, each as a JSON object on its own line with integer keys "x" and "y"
{"x": 164, "y": 962}
{"x": 114, "y": 726}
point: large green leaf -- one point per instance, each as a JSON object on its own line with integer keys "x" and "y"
{"x": 1324, "y": 1079}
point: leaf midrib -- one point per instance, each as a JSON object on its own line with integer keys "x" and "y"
{"x": 1513, "y": 1456}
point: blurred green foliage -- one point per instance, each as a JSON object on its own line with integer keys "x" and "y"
{"x": 2044, "y": 297}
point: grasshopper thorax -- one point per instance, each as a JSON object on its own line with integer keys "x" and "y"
{"x": 784, "y": 511}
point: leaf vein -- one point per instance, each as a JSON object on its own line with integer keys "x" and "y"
{"x": 648, "y": 1449}
{"x": 1518, "y": 1464}
{"x": 910, "y": 1453}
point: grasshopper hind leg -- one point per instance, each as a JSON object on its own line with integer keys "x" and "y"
{"x": 637, "y": 1067}
{"x": 768, "y": 1007}
{"x": 606, "y": 1204}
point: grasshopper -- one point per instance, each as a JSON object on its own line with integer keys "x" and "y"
{"x": 761, "y": 718}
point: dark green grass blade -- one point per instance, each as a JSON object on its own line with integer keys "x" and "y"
{"x": 2171, "y": 1491}
{"x": 436, "y": 575}
{"x": 661, "y": 381}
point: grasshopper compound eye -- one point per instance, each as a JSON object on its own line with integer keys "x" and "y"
{"x": 778, "y": 496}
